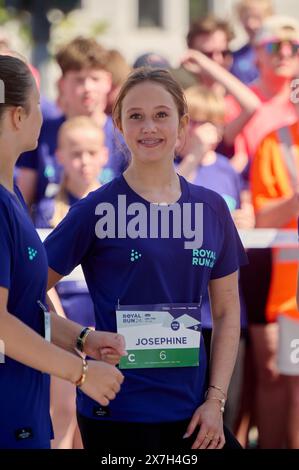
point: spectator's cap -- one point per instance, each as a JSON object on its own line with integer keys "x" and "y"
{"x": 277, "y": 28}
{"x": 151, "y": 59}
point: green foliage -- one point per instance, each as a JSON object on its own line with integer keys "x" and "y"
{"x": 198, "y": 8}
{"x": 4, "y": 14}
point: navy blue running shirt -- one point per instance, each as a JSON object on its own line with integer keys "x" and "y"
{"x": 163, "y": 272}
{"x": 24, "y": 406}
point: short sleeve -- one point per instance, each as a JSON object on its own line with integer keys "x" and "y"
{"x": 70, "y": 241}
{"x": 6, "y": 248}
{"x": 231, "y": 253}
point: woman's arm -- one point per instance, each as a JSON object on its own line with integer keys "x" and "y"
{"x": 225, "y": 306}
{"x": 197, "y": 63}
{"x": 26, "y": 346}
{"x": 100, "y": 345}
{"x": 278, "y": 212}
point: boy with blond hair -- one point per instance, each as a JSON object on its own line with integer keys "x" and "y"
{"x": 83, "y": 90}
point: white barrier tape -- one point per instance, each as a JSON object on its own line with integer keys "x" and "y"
{"x": 251, "y": 238}
{"x": 269, "y": 237}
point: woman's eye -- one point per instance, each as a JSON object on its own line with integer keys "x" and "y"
{"x": 135, "y": 116}
{"x": 162, "y": 114}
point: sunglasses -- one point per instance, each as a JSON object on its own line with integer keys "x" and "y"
{"x": 274, "y": 47}
{"x": 225, "y": 53}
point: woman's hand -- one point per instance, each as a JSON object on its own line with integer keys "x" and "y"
{"x": 105, "y": 346}
{"x": 208, "y": 418}
{"x": 102, "y": 382}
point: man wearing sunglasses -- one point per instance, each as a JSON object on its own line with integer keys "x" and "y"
{"x": 211, "y": 36}
{"x": 276, "y": 49}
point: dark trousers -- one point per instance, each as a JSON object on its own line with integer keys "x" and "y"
{"x": 108, "y": 435}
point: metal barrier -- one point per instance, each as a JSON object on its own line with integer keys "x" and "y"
{"x": 286, "y": 239}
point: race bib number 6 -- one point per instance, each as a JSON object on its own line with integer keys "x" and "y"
{"x": 160, "y": 336}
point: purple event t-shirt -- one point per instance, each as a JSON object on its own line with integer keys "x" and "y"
{"x": 222, "y": 178}
{"x": 74, "y": 295}
{"x": 165, "y": 271}
{"x": 244, "y": 64}
{"x": 25, "y": 392}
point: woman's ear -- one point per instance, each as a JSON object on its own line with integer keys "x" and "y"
{"x": 118, "y": 125}
{"x": 17, "y": 116}
{"x": 184, "y": 121}
{"x": 182, "y": 134}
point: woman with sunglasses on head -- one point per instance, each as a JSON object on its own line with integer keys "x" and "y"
{"x": 29, "y": 358}
{"x": 150, "y": 284}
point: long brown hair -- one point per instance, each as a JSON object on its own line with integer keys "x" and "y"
{"x": 16, "y": 81}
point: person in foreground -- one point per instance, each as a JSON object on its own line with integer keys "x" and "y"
{"x": 29, "y": 358}
{"x": 148, "y": 284}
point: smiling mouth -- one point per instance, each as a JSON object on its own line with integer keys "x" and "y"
{"x": 150, "y": 142}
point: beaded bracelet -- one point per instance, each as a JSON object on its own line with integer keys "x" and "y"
{"x": 221, "y": 401}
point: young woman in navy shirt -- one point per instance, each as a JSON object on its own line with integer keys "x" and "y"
{"x": 128, "y": 268}
{"x": 29, "y": 358}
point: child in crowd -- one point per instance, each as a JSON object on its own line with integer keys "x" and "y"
{"x": 84, "y": 87}
{"x": 82, "y": 156}
{"x": 202, "y": 165}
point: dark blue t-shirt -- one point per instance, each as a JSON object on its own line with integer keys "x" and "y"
{"x": 165, "y": 272}
{"x": 221, "y": 177}
{"x": 49, "y": 172}
{"x": 24, "y": 405}
{"x": 74, "y": 295}
{"x": 244, "y": 65}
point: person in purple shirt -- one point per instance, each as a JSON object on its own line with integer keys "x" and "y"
{"x": 83, "y": 90}
{"x": 201, "y": 165}
{"x": 251, "y": 14}
{"x": 33, "y": 342}
{"x": 144, "y": 281}
{"x": 82, "y": 156}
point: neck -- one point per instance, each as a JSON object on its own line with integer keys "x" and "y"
{"x": 157, "y": 181}
{"x": 7, "y": 165}
{"x": 209, "y": 158}
{"x": 80, "y": 191}
{"x": 98, "y": 116}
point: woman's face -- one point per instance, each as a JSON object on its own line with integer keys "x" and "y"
{"x": 31, "y": 121}
{"x": 150, "y": 123}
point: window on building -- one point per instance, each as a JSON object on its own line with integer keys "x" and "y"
{"x": 150, "y": 13}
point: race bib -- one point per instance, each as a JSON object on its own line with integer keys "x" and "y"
{"x": 164, "y": 335}
{"x": 47, "y": 321}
